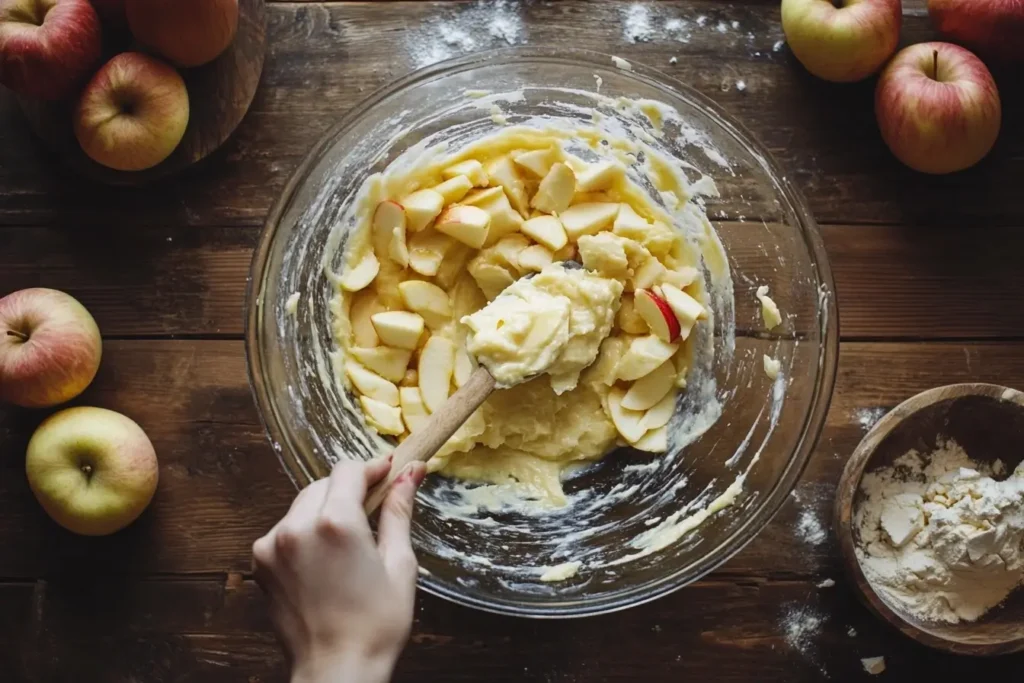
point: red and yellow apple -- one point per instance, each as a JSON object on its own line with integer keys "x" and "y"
{"x": 50, "y": 348}
{"x": 94, "y": 471}
{"x": 938, "y": 108}
{"x": 842, "y": 43}
{"x": 47, "y": 47}
{"x": 186, "y": 32}
{"x": 133, "y": 113}
{"x": 993, "y": 28}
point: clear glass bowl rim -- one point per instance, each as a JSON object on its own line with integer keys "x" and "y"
{"x": 828, "y": 352}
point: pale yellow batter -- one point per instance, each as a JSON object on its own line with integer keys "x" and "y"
{"x": 441, "y": 237}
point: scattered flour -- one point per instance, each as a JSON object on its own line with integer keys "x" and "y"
{"x": 809, "y": 528}
{"x": 867, "y": 417}
{"x": 827, "y": 583}
{"x": 636, "y": 24}
{"x": 482, "y": 25}
{"x": 939, "y": 538}
{"x": 851, "y": 632}
{"x": 777, "y": 47}
{"x": 800, "y": 626}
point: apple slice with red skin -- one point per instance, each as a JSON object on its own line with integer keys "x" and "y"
{"x": 657, "y": 314}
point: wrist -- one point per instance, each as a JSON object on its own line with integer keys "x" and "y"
{"x": 344, "y": 668}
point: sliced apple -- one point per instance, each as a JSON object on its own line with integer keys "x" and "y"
{"x": 599, "y": 176}
{"x": 400, "y": 329}
{"x": 546, "y": 230}
{"x": 508, "y": 248}
{"x": 654, "y": 441}
{"x": 384, "y": 418}
{"x": 427, "y": 250}
{"x": 471, "y": 168}
{"x": 421, "y": 207}
{"x": 414, "y": 412}
{"x": 482, "y": 197}
{"x": 658, "y": 315}
{"x": 651, "y": 388}
{"x": 535, "y": 258}
{"x": 428, "y": 301}
{"x": 453, "y": 265}
{"x": 464, "y": 366}
{"x": 628, "y": 320}
{"x": 587, "y": 219}
{"x": 410, "y": 379}
{"x": 680, "y": 277}
{"x": 556, "y": 191}
{"x": 454, "y": 189}
{"x": 387, "y": 362}
{"x": 627, "y": 422}
{"x": 371, "y": 384}
{"x": 503, "y": 172}
{"x": 362, "y": 274}
{"x": 769, "y": 309}
{"x": 536, "y": 161}
{"x": 388, "y": 220}
{"x": 437, "y": 363}
{"x": 648, "y": 274}
{"x": 491, "y": 278}
{"x": 365, "y": 304}
{"x": 772, "y": 367}
{"x": 644, "y": 355}
{"x": 687, "y": 309}
{"x": 467, "y": 224}
{"x": 661, "y": 412}
{"x": 628, "y": 222}
{"x": 566, "y": 253}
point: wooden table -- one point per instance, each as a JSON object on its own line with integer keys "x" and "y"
{"x": 929, "y": 286}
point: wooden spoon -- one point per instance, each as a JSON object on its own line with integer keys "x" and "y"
{"x": 425, "y": 442}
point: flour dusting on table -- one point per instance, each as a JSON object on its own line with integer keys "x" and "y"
{"x": 480, "y": 26}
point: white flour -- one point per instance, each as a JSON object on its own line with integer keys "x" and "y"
{"x": 867, "y": 417}
{"x": 482, "y": 25}
{"x": 809, "y": 528}
{"x": 939, "y": 538}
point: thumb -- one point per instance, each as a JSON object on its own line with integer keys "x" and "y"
{"x": 393, "y": 540}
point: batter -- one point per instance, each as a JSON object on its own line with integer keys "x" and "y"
{"x": 441, "y": 237}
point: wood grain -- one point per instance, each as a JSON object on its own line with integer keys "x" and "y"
{"x": 221, "y": 485}
{"x": 893, "y": 282}
{"x": 217, "y": 630}
{"x": 324, "y": 58}
{"x": 219, "y": 94}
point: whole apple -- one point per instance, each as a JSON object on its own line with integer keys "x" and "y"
{"x": 94, "y": 471}
{"x": 186, "y": 32}
{"x": 938, "y": 108}
{"x": 47, "y": 47}
{"x": 50, "y": 348}
{"x": 993, "y": 28}
{"x": 845, "y": 43}
{"x": 133, "y": 113}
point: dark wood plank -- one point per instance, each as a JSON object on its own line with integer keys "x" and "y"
{"x": 892, "y": 282}
{"x": 221, "y": 485}
{"x": 324, "y": 58}
{"x": 216, "y": 630}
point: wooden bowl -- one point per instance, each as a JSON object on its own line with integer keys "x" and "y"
{"x": 988, "y": 422}
{"x": 219, "y": 95}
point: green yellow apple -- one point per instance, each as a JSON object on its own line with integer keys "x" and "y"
{"x": 94, "y": 471}
{"x": 50, "y": 348}
{"x": 844, "y": 41}
{"x": 938, "y": 108}
{"x": 133, "y": 113}
{"x": 186, "y": 32}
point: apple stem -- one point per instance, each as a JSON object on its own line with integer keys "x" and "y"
{"x": 20, "y": 336}
{"x": 935, "y": 65}
{"x": 87, "y": 469}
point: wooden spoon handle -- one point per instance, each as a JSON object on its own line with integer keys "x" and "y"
{"x": 422, "y": 444}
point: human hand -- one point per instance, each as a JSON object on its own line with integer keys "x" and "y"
{"x": 342, "y": 602}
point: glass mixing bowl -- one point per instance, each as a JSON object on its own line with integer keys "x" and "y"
{"x": 766, "y": 429}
